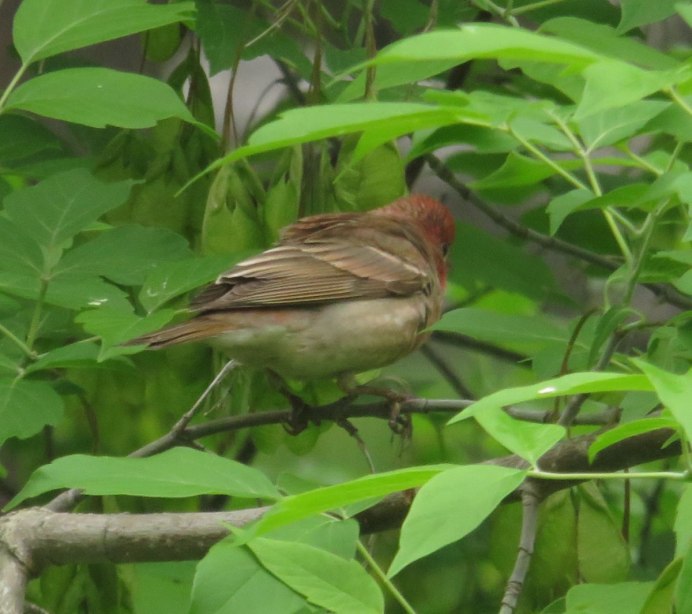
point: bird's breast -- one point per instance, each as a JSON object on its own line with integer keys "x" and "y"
{"x": 325, "y": 341}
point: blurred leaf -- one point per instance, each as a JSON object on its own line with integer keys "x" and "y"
{"x": 21, "y": 136}
{"x": 683, "y": 591}
{"x": 26, "y": 406}
{"x": 683, "y": 522}
{"x": 611, "y": 84}
{"x": 231, "y": 217}
{"x": 606, "y": 40}
{"x": 99, "y": 97}
{"x": 43, "y": 28}
{"x": 597, "y": 532}
{"x": 161, "y": 586}
{"x": 637, "y": 13}
{"x": 179, "y": 472}
{"x": 501, "y": 328}
{"x": 660, "y": 598}
{"x": 280, "y": 208}
{"x": 324, "y": 579}
{"x": 572, "y": 383}
{"x": 125, "y": 255}
{"x": 629, "y": 429}
{"x": 429, "y": 525}
{"x": 306, "y": 504}
{"x": 675, "y": 391}
{"x": 608, "y": 598}
{"x": 230, "y": 580}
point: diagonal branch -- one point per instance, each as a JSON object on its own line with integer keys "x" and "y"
{"x": 662, "y": 291}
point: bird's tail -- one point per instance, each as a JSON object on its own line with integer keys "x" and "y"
{"x": 196, "y": 329}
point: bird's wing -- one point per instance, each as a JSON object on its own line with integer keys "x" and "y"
{"x": 316, "y": 270}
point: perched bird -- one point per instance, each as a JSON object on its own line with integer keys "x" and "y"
{"x": 339, "y": 294}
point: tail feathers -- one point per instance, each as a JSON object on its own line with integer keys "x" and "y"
{"x": 196, "y": 329}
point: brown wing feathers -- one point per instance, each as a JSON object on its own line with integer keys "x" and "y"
{"x": 311, "y": 266}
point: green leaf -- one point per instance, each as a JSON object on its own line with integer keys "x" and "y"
{"x": 431, "y": 53}
{"x": 163, "y": 586}
{"x": 480, "y": 259}
{"x": 180, "y": 472}
{"x": 450, "y": 506}
{"x": 230, "y": 580}
{"x": 125, "y": 255}
{"x": 43, "y": 28}
{"x": 629, "y": 429}
{"x": 326, "y": 580}
{"x": 506, "y": 329}
{"x": 573, "y": 383}
{"x": 605, "y": 40}
{"x": 608, "y": 598}
{"x": 79, "y": 354}
{"x": 611, "y": 84}
{"x": 615, "y": 125}
{"x": 526, "y": 439}
{"x": 226, "y": 32}
{"x": 327, "y": 498}
{"x": 115, "y": 326}
{"x": 675, "y": 392}
{"x": 170, "y": 279}
{"x": 27, "y": 406}
{"x": 683, "y": 590}
{"x": 683, "y": 522}
{"x": 660, "y": 598}
{"x": 320, "y": 122}
{"x": 100, "y": 97}
{"x": 56, "y": 209}
{"x": 598, "y": 532}
{"x": 637, "y": 13}
{"x": 561, "y": 206}
{"x": 517, "y": 171}
{"x": 21, "y": 137}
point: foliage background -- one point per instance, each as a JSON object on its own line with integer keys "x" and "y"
{"x": 579, "y": 133}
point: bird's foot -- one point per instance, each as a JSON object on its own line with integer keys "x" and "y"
{"x": 399, "y": 423}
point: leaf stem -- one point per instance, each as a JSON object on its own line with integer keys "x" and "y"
{"x": 533, "y": 6}
{"x": 36, "y": 317}
{"x": 377, "y": 570}
{"x": 645, "y": 475}
{"x": 11, "y": 85}
{"x": 537, "y": 153}
{"x": 18, "y": 342}
{"x": 682, "y": 103}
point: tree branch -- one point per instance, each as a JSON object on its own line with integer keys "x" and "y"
{"x": 33, "y": 538}
{"x": 527, "y": 541}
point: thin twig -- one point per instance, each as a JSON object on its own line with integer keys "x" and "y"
{"x": 527, "y": 540}
{"x": 446, "y": 370}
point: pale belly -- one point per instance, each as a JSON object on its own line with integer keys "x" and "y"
{"x": 346, "y": 337}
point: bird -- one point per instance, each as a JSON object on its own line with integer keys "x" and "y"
{"x": 339, "y": 294}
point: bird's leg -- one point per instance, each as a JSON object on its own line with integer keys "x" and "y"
{"x": 398, "y": 422}
{"x": 300, "y": 410}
